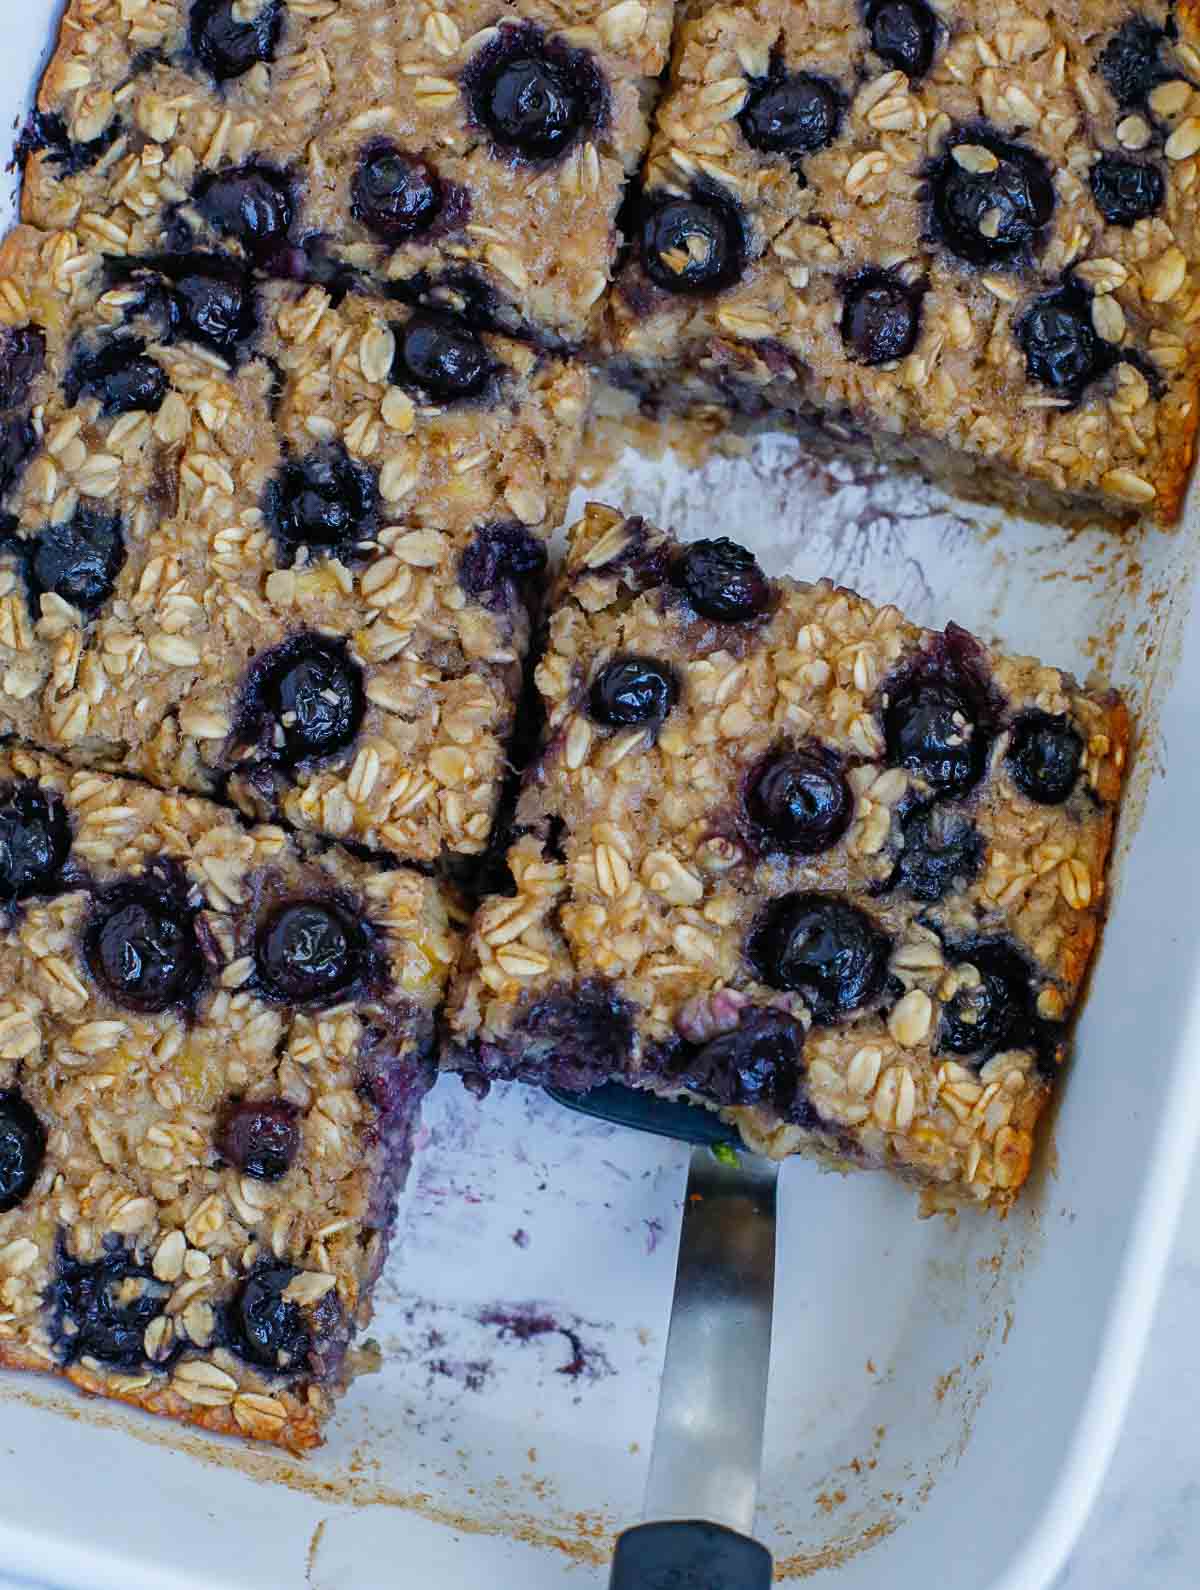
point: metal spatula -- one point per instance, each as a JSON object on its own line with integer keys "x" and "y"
{"x": 707, "y": 1455}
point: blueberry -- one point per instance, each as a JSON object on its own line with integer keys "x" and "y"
{"x": 569, "y": 1037}
{"x": 324, "y": 502}
{"x": 121, "y": 375}
{"x": 532, "y": 104}
{"x": 17, "y": 441}
{"x": 991, "y": 217}
{"x": 101, "y": 1310}
{"x": 206, "y": 298}
{"x": 904, "y": 34}
{"x": 22, "y": 359}
{"x": 791, "y": 114}
{"x": 267, "y": 1329}
{"x": 800, "y": 801}
{"x": 992, "y": 1008}
{"x": 942, "y": 852}
{"x": 395, "y": 195}
{"x": 823, "y": 948}
{"x": 312, "y": 695}
{"x": 1127, "y": 191}
{"x": 251, "y": 204}
{"x": 881, "y": 317}
{"x": 692, "y": 245}
{"x": 633, "y": 691}
{"x": 1060, "y": 344}
{"x": 35, "y": 840}
{"x": 47, "y": 132}
{"x": 227, "y": 47}
{"x": 79, "y": 560}
{"x": 758, "y": 1063}
{"x": 499, "y": 559}
{"x": 261, "y": 1138}
{"x": 22, "y": 1149}
{"x": 722, "y": 581}
{"x": 310, "y": 952}
{"x": 934, "y": 726}
{"x": 1044, "y": 757}
{"x": 1131, "y": 62}
{"x": 141, "y": 946}
{"x": 441, "y": 356}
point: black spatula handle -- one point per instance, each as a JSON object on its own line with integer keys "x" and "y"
{"x": 689, "y": 1555}
{"x": 646, "y": 1112}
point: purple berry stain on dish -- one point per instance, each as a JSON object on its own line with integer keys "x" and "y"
{"x": 525, "y": 1323}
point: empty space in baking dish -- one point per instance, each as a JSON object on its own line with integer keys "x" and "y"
{"x": 943, "y": 1396}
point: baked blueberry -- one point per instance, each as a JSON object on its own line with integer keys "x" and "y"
{"x": 799, "y": 800}
{"x": 310, "y": 952}
{"x": 308, "y": 699}
{"x": 722, "y": 581}
{"x": 251, "y": 204}
{"x": 881, "y": 317}
{"x": 935, "y": 724}
{"x": 1060, "y": 344}
{"x": 206, "y": 298}
{"x": 633, "y": 691}
{"x": 499, "y": 560}
{"x": 441, "y": 356}
{"x": 140, "y": 943}
{"x": 268, "y": 1328}
{"x": 261, "y": 1137}
{"x": 1044, "y": 756}
{"x": 532, "y": 101}
{"x": 1131, "y": 62}
{"x": 101, "y": 1310}
{"x": 942, "y": 851}
{"x": 1127, "y": 191}
{"x": 792, "y": 114}
{"x": 35, "y": 840}
{"x": 904, "y": 34}
{"x": 22, "y": 359}
{"x": 992, "y": 1008}
{"x": 572, "y": 1035}
{"x": 120, "y": 375}
{"x": 992, "y": 199}
{"x": 22, "y": 1148}
{"x": 324, "y": 502}
{"x": 824, "y": 949}
{"x": 47, "y": 132}
{"x": 79, "y": 560}
{"x": 692, "y": 245}
{"x": 758, "y": 1063}
{"x": 229, "y": 47}
{"x": 17, "y": 442}
{"x": 395, "y": 195}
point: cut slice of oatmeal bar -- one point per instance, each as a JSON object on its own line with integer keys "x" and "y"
{"x": 288, "y": 560}
{"x": 966, "y": 237}
{"x": 214, "y": 1042}
{"x": 453, "y": 148}
{"x": 835, "y": 875}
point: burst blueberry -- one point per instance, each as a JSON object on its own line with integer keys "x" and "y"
{"x": 1127, "y": 191}
{"x": 633, "y": 692}
{"x": 942, "y": 851}
{"x": 325, "y": 502}
{"x": 251, "y": 204}
{"x": 260, "y": 1137}
{"x": 141, "y": 946}
{"x": 1059, "y": 341}
{"x": 309, "y": 952}
{"x": 722, "y": 581}
{"x": 306, "y": 699}
{"x": 904, "y": 34}
{"x": 228, "y": 46}
{"x": 396, "y": 196}
{"x": 268, "y": 1328}
{"x": 22, "y": 1148}
{"x": 1044, "y": 756}
{"x": 992, "y": 199}
{"x": 692, "y": 245}
{"x": 78, "y": 560}
{"x": 881, "y": 317}
{"x": 121, "y": 375}
{"x": 799, "y": 800}
{"x": 442, "y": 356}
{"x": 793, "y": 114}
{"x": 823, "y": 948}
{"x": 35, "y": 840}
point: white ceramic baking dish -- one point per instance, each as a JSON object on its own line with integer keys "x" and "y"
{"x": 944, "y": 1398}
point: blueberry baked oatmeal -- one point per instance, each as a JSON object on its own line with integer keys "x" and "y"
{"x": 788, "y": 854}
{"x": 260, "y": 542}
{"x": 965, "y": 237}
{"x": 214, "y": 1041}
{"x": 464, "y": 146}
